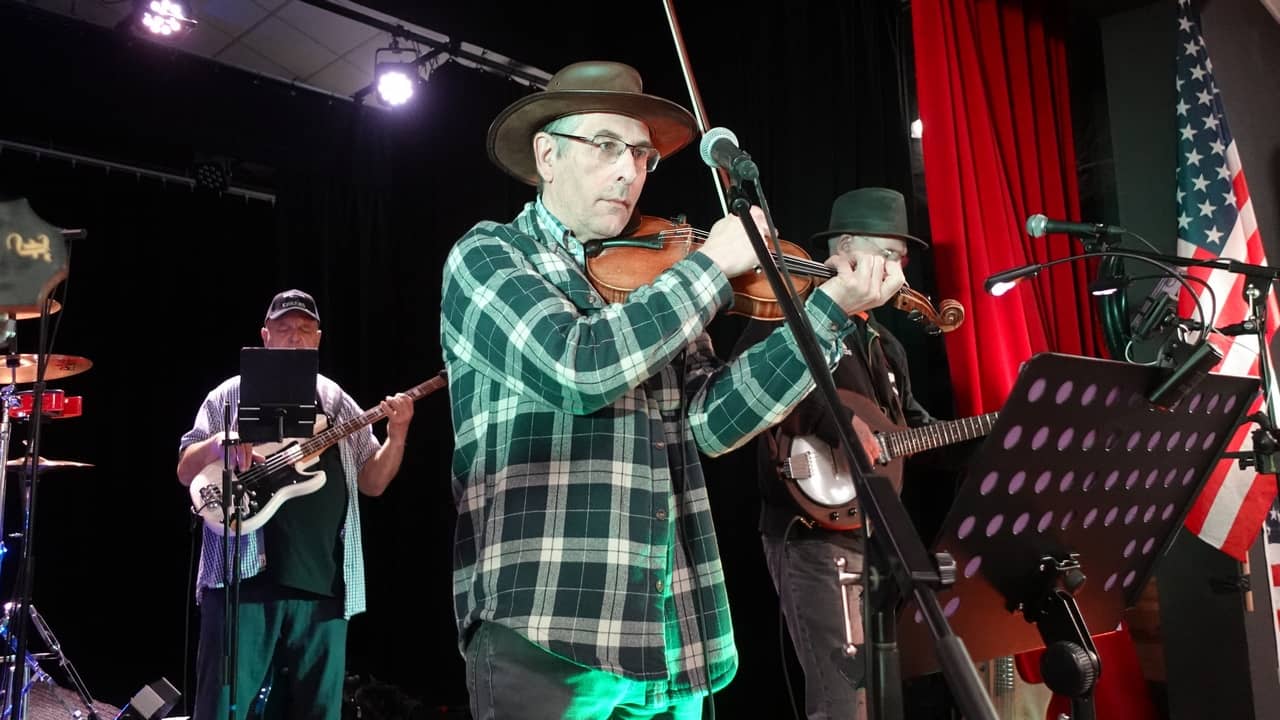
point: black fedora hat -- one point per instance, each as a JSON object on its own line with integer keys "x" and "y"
{"x": 873, "y": 211}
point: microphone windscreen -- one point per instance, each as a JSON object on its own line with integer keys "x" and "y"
{"x": 710, "y": 138}
{"x": 1036, "y": 225}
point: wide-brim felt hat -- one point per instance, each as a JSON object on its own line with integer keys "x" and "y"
{"x": 585, "y": 87}
{"x": 877, "y": 212}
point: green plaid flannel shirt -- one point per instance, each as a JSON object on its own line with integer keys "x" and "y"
{"x": 583, "y": 520}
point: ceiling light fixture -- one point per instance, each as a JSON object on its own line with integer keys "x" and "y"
{"x": 164, "y": 18}
{"x": 395, "y": 77}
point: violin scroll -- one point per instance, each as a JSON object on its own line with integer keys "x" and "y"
{"x": 947, "y": 317}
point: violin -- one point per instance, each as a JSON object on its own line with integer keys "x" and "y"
{"x": 650, "y": 245}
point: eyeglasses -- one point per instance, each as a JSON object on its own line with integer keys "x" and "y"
{"x": 611, "y": 149}
{"x": 864, "y": 243}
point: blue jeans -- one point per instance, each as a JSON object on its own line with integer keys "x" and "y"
{"x": 804, "y": 574}
{"x": 510, "y": 677}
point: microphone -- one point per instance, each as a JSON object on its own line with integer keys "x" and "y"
{"x": 719, "y": 149}
{"x": 1039, "y": 226}
{"x": 1003, "y": 282}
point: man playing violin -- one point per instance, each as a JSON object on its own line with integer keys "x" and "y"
{"x": 798, "y": 552}
{"x": 587, "y": 580}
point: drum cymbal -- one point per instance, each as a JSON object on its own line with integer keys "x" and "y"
{"x": 47, "y": 464}
{"x": 59, "y": 366}
{"x": 32, "y": 312}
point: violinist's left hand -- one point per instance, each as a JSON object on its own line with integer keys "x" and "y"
{"x": 867, "y": 282}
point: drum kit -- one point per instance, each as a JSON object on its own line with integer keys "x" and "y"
{"x": 20, "y": 407}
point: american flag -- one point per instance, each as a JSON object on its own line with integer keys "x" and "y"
{"x": 1273, "y": 542}
{"x": 1215, "y": 219}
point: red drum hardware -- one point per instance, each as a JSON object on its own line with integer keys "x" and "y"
{"x": 54, "y": 405}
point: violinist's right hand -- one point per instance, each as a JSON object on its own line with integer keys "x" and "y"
{"x": 867, "y": 282}
{"x": 729, "y": 247}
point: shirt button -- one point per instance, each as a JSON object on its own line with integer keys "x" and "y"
{"x": 834, "y": 327}
{"x": 659, "y": 586}
{"x": 661, "y": 514}
{"x": 593, "y": 299}
{"x": 659, "y": 444}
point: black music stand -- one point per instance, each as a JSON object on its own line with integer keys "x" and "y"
{"x": 1080, "y": 476}
{"x": 277, "y": 393}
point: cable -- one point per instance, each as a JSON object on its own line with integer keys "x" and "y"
{"x": 196, "y": 526}
{"x": 783, "y": 594}
{"x": 48, "y": 303}
{"x": 1018, "y": 274}
{"x": 1142, "y": 240}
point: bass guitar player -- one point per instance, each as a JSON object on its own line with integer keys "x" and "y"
{"x": 300, "y": 575}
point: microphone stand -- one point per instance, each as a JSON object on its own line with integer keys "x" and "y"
{"x": 230, "y": 568}
{"x": 1265, "y": 456}
{"x": 897, "y": 562}
{"x": 21, "y": 618}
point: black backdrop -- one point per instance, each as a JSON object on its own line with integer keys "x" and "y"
{"x": 171, "y": 282}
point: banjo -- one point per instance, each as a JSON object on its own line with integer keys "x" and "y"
{"x": 817, "y": 475}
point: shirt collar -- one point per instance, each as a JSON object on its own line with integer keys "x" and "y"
{"x": 556, "y": 231}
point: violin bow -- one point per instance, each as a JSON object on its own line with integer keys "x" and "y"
{"x": 719, "y": 176}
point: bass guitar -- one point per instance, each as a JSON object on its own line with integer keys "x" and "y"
{"x": 818, "y": 477}
{"x": 263, "y": 488}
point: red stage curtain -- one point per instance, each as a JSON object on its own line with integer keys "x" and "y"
{"x": 994, "y": 101}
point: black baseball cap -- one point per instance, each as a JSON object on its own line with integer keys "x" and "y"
{"x": 291, "y": 300}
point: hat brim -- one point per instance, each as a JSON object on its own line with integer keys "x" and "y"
{"x": 281, "y": 313}
{"x": 510, "y": 139}
{"x": 826, "y": 234}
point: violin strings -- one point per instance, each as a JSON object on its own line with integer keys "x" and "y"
{"x": 808, "y": 267}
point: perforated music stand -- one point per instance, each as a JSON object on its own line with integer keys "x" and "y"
{"x": 277, "y": 393}
{"x": 1079, "y": 478}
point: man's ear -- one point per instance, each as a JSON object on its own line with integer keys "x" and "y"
{"x": 544, "y": 155}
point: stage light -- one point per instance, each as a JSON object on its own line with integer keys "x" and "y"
{"x": 164, "y": 18}
{"x": 212, "y": 175}
{"x": 1105, "y": 286}
{"x": 1002, "y": 282}
{"x": 396, "y": 78}
{"x": 395, "y": 87}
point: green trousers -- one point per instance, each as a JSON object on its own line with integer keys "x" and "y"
{"x": 294, "y": 647}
